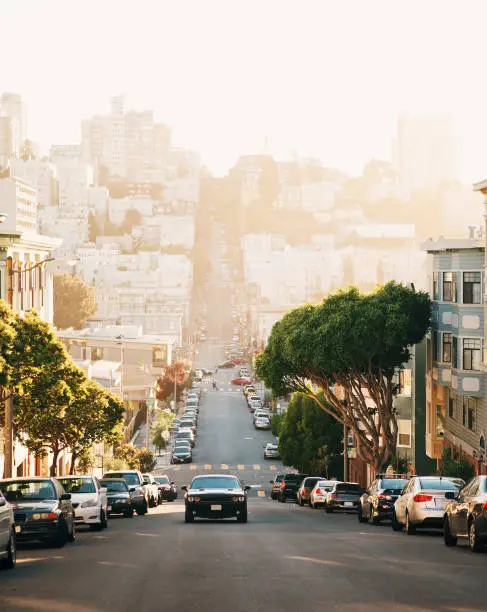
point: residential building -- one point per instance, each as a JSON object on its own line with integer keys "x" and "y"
{"x": 41, "y": 174}
{"x": 18, "y": 200}
{"x": 456, "y": 411}
{"x": 12, "y": 125}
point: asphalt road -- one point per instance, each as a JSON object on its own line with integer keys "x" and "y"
{"x": 285, "y": 558}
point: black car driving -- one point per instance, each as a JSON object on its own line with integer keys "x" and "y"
{"x": 42, "y": 510}
{"x": 167, "y": 488}
{"x": 377, "y": 503}
{"x": 216, "y": 496}
{"x": 119, "y": 500}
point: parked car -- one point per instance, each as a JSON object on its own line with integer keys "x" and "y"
{"x": 42, "y": 510}
{"x": 261, "y": 412}
{"x": 8, "y": 542}
{"x": 253, "y": 397}
{"x": 271, "y": 451}
{"x": 344, "y": 496}
{"x": 317, "y": 498}
{"x": 215, "y": 496}
{"x": 289, "y": 486}
{"x": 377, "y": 503}
{"x": 139, "y": 492}
{"x": 185, "y": 434}
{"x": 181, "y": 455}
{"x": 188, "y": 424}
{"x": 422, "y": 503}
{"x": 276, "y": 486}
{"x": 151, "y": 484}
{"x": 89, "y": 500}
{"x": 167, "y": 488}
{"x": 466, "y": 515}
{"x": 118, "y": 497}
{"x": 303, "y": 496}
{"x": 262, "y": 422}
{"x": 240, "y": 381}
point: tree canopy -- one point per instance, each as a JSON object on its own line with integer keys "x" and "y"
{"x": 350, "y": 346}
{"x": 165, "y": 383}
{"x": 74, "y": 301}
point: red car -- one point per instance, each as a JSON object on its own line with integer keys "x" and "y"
{"x": 241, "y": 381}
{"x": 239, "y": 361}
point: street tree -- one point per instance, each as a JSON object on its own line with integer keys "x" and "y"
{"x": 74, "y": 301}
{"x": 165, "y": 383}
{"x": 160, "y": 430}
{"x": 350, "y": 347}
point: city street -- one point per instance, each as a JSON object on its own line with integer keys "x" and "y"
{"x": 285, "y": 558}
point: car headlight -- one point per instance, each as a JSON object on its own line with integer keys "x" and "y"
{"x": 92, "y": 501}
{"x": 44, "y": 516}
{"x": 240, "y": 498}
{"x": 190, "y": 498}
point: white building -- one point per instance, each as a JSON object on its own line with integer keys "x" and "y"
{"x": 13, "y": 125}
{"x": 18, "y": 200}
{"x": 41, "y": 174}
{"x": 118, "y": 207}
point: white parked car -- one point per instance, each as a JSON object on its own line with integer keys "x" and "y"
{"x": 318, "y": 494}
{"x": 151, "y": 484}
{"x": 89, "y": 500}
{"x": 262, "y": 422}
{"x": 8, "y": 548}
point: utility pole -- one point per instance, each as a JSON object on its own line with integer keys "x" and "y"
{"x": 147, "y": 423}
{"x": 8, "y": 438}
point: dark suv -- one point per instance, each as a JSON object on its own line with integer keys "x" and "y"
{"x": 289, "y": 486}
{"x": 377, "y": 503}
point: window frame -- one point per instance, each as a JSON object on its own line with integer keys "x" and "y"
{"x": 436, "y": 285}
{"x": 452, "y": 284}
{"x": 444, "y": 345}
{"x": 471, "y": 350}
{"x": 472, "y": 283}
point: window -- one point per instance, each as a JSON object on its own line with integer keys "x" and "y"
{"x": 405, "y": 382}
{"x": 447, "y": 347}
{"x": 471, "y": 353}
{"x": 434, "y": 342}
{"x": 404, "y": 433}
{"x": 436, "y": 293}
{"x": 472, "y": 288}
{"x": 454, "y": 356}
{"x": 469, "y": 409}
{"x": 451, "y": 404}
{"x": 450, "y": 286}
{"x": 96, "y": 353}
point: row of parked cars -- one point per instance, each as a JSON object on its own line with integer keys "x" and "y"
{"x": 184, "y": 430}
{"x": 48, "y": 509}
{"x": 409, "y": 503}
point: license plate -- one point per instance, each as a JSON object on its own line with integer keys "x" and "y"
{"x": 109, "y": 508}
{"x": 441, "y": 503}
{"x": 18, "y": 528}
{"x": 348, "y": 504}
{"x": 215, "y": 507}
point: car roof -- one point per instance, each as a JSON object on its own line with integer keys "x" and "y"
{"x": 26, "y": 478}
{"x": 216, "y": 475}
{"x": 113, "y": 479}
{"x": 75, "y": 476}
{"x": 121, "y": 472}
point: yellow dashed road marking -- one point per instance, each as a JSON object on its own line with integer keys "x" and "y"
{"x": 260, "y": 493}
{"x": 240, "y": 467}
{"x": 224, "y": 466}
{"x": 192, "y": 467}
{"x": 256, "y": 466}
{"x": 177, "y": 468}
{"x": 273, "y": 467}
{"x": 208, "y": 466}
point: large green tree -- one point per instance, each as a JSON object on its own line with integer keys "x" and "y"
{"x": 350, "y": 347}
{"x": 310, "y": 439}
{"x": 74, "y": 301}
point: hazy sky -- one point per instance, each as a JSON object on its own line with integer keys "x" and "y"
{"x": 322, "y": 78}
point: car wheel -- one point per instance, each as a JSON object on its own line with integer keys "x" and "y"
{"x": 373, "y": 519}
{"x": 361, "y": 518}
{"x": 98, "y": 526}
{"x": 143, "y": 509}
{"x": 72, "y": 535}
{"x": 10, "y": 561}
{"x": 396, "y": 525}
{"x": 409, "y": 528}
{"x": 282, "y": 499}
{"x": 311, "y": 504}
{"x": 188, "y": 517}
{"x": 329, "y": 510}
{"x": 61, "y": 538}
{"x": 474, "y": 541}
{"x": 242, "y": 517}
{"x": 448, "y": 537}
{"x": 300, "y": 501}
{"x": 129, "y": 514}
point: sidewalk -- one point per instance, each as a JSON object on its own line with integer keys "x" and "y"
{"x": 139, "y": 442}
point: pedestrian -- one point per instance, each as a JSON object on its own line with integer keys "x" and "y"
{"x": 214, "y": 385}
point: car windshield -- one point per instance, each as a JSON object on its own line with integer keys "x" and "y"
{"x": 183, "y": 434}
{"x": 78, "y": 485}
{"x": 272, "y": 446}
{"x": 183, "y": 450}
{"x": 130, "y": 478}
{"x": 162, "y": 480}
{"x": 216, "y": 482}
{"x": 114, "y": 487}
{"x": 29, "y": 489}
{"x": 438, "y": 484}
{"x": 324, "y": 484}
{"x": 310, "y": 482}
{"x": 348, "y": 488}
{"x": 393, "y": 483}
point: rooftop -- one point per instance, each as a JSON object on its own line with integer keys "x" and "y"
{"x": 452, "y": 244}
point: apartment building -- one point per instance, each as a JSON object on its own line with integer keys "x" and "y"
{"x": 456, "y": 410}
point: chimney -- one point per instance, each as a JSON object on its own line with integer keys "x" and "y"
{"x": 471, "y": 232}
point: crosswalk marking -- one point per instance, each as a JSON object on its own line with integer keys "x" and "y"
{"x": 240, "y": 467}
{"x": 208, "y": 466}
{"x": 260, "y": 493}
{"x": 177, "y": 468}
{"x": 256, "y": 466}
{"x": 224, "y": 466}
{"x": 193, "y": 467}
{"x": 273, "y": 467}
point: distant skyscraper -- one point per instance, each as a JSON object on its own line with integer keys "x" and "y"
{"x": 425, "y": 153}
{"x": 13, "y": 125}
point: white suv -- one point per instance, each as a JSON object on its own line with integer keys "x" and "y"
{"x": 89, "y": 500}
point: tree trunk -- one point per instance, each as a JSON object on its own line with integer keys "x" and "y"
{"x": 53, "y": 468}
{"x": 74, "y": 458}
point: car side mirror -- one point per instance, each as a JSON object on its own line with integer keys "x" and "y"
{"x": 3, "y": 501}
{"x": 172, "y": 482}
{"x": 103, "y": 490}
{"x": 450, "y": 495}
{"x": 65, "y": 496}
{"x": 271, "y": 481}
{"x": 11, "y": 496}
{"x": 247, "y": 488}
{"x": 184, "y": 488}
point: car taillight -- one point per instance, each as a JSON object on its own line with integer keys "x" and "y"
{"x": 385, "y": 497}
{"x": 318, "y": 491}
{"x": 283, "y": 485}
{"x": 52, "y": 516}
{"x": 333, "y": 495}
{"x": 484, "y": 506}
{"x": 421, "y": 497}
